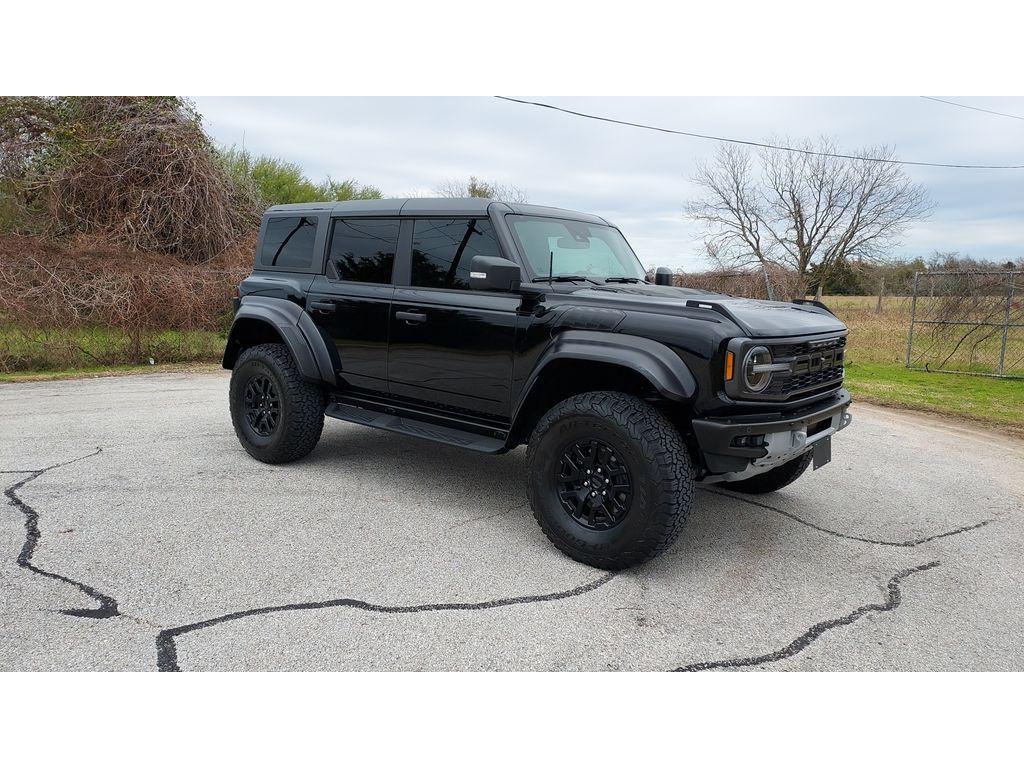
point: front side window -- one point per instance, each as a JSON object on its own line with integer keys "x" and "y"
{"x": 442, "y": 250}
{"x": 566, "y": 247}
{"x": 363, "y": 250}
{"x": 288, "y": 242}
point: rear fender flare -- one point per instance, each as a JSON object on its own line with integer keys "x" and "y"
{"x": 296, "y": 329}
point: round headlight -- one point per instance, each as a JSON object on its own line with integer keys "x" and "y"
{"x": 755, "y": 378}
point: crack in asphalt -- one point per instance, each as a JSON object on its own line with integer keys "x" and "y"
{"x": 107, "y": 605}
{"x": 893, "y": 599}
{"x": 167, "y": 652}
{"x": 850, "y": 537}
{"x": 481, "y": 518}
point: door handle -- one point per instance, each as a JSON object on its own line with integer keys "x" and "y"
{"x": 411, "y": 317}
{"x": 322, "y": 306}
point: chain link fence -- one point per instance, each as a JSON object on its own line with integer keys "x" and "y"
{"x": 967, "y": 322}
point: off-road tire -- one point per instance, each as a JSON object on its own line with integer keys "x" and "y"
{"x": 657, "y": 460}
{"x": 773, "y": 479}
{"x": 301, "y": 418}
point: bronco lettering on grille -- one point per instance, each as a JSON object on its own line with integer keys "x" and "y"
{"x": 817, "y": 361}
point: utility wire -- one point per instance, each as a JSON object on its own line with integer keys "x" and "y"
{"x": 753, "y": 143}
{"x": 976, "y": 109}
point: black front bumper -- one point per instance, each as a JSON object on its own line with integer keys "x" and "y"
{"x": 805, "y": 426}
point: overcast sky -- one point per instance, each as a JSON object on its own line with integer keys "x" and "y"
{"x": 640, "y": 179}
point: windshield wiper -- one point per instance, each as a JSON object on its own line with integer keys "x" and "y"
{"x": 564, "y": 279}
{"x": 624, "y": 280}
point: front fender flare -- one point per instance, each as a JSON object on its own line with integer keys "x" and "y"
{"x": 666, "y": 372}
{"x": 296, "y": 329}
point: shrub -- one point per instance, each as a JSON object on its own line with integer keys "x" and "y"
{"x": 138, "y": 172}
{"x": 277, "y": 182}
{"x": 85, "y": 302}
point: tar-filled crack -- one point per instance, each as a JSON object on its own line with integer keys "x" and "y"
{"x": 850, "y": 537}
{"x": 167, "y": 652}
{"x": 893, "y": 598}
{"x": 107, "y": 605}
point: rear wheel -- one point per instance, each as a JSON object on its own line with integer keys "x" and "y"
{"x": 278, "y": 416}
{"x": 773, "y": 479}
{"x": 611, "y": 482}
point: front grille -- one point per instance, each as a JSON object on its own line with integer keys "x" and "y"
{"x": 814, "y": 365}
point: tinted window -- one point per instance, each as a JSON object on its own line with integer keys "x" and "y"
{"x": 288, "y": 242}
{"x": 442, "y": 250}
{"x": 363, "y": 250}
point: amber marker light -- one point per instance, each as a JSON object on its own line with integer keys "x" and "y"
{"x": 730, "y": 360}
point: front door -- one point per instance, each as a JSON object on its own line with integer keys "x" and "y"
{"x": 449, "y": 345}
{"x": 352, "y": 301}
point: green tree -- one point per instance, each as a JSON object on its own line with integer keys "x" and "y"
{"x": 277, "y": 182}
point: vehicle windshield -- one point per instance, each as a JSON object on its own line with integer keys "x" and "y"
{"x": 575, "y": 248}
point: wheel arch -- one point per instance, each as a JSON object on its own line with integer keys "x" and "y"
{"x": 262, "y": 320}
{"x": 586, "y": 361}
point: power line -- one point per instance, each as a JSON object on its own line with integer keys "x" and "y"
{"x": 976, "y": 109}
{"x": 753, "y": 143}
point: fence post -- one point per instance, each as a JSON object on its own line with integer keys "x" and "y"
{"x": 768, "y": 284}
{"x": 1006, "y": 322}
{"x": 881, "y": 292}
{"x": 913, "y": 312}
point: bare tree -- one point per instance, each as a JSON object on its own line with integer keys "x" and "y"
{"x": 804, "y": 209}
{"x": 475, "y": 187}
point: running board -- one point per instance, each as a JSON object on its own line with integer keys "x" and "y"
{"x": 415, "y": 428}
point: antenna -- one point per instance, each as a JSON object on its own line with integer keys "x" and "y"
{"x": 551, "y": 267}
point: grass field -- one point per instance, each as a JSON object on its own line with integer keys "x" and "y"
{"x": 996, "y": 402}
{"x": 874, "y": 338}
{"x": 876, "y": 372}
{"x": 35, "y": 351}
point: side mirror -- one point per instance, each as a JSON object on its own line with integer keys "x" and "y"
{"x": 493, "y": 273}
{"x": 663, "y": 276}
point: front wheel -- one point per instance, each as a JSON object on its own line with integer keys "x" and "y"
{"x": 610, "y": 479}
{"x": 278, "y": 416}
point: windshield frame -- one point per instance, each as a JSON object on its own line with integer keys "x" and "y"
{"x": 540, "y": 276}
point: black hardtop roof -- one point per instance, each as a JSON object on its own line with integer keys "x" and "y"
{"x": 431, "y": 206}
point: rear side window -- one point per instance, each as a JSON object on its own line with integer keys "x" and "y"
{"x": 363, "y": 250}
{"x": 442, "y": 250}
{"x": 288, "y": 242}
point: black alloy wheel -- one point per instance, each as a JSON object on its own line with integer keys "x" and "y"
{"x": 262, "y": 405}
{"x": 278, "y": 415}
{"x": 594, "y": 485}
{"x": 610, "y": 478}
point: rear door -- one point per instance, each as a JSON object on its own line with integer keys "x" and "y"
{"x": 451, "y": 346}
{"x": 352, "y": 301}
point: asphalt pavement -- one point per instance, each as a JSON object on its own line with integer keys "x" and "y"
{"x": 136, "y": 534}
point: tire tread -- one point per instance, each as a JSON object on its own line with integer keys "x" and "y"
{"x": 303, "y": 428}
{"x": 660, "y": 444}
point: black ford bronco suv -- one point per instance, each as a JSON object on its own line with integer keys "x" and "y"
{"x": 487, "y": 325}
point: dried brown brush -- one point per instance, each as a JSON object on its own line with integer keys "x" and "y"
{"x": 89, "y": 283}
{"x": 137, "y": 171}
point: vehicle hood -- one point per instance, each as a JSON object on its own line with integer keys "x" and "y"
{"x": 757, "y": 318}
